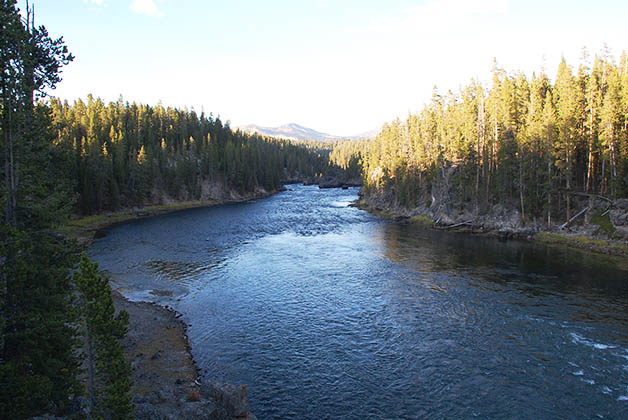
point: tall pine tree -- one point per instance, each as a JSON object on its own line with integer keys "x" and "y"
{"x": 37, "y": 358}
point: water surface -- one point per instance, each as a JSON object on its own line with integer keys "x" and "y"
{"x": 327, "y": 312}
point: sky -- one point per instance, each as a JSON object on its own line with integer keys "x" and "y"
{"x": 338, "y": 66}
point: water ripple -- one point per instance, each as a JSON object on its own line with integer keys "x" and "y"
{"x": 327, "y": 313}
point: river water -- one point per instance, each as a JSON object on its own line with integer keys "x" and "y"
{"x": 327, "y": 312}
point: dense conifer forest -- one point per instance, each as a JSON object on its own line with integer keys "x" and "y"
{"x": 529, "y": 143}
{"x": 347, "y": 155}
{"x": 119, "y": 155}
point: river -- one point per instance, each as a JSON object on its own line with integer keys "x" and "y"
{"x": 327, "y": 312}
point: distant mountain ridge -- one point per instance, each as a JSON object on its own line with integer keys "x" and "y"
{"x": 298, "y": 132}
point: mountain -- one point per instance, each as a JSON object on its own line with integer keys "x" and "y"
{"x": 366, "y": 135}
{"x": 298, "y": 132}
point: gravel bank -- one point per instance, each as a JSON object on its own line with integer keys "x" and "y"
{"x": 165, "y": 375}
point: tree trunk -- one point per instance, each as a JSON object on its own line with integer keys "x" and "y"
{"x": 91, "y": 372}
{"x": 10, "y": 168}
{"x": 603, "y": 186}
{"x": 568, "y": 184}
{"x": 549, "y": 195}
{"x": 590, "y": 163}
{"x": 523, "y": 212}
{"x": 613, "y": 166}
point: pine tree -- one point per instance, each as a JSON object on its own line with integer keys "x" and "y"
{"x": 108, "y": 372}
{"x": 37, "y": 361}
{"x": 528, "y": 145}
{"x": 610, "y": 124}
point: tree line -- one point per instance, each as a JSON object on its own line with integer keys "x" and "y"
{"x": 527, "y": 142}
{"x": 347, "y": 155}
{"x": 126, "y": 154}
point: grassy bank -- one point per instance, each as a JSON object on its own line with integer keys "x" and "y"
{"x": 85, "y": 229}
{"x": 599, "y": 246}
{"x": 384, "y": 214}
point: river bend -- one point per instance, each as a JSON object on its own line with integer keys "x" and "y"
{"x": 327, "y": 312}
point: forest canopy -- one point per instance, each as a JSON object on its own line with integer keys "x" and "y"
{"x": 125, "y": 154}
{"x": 528, "y": 142}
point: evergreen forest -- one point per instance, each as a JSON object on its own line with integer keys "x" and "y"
{"x": 119, "y": 155}
{"x": 529, "y": 143}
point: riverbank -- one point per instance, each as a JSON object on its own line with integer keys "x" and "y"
{"x": 592, "y": 237}
{"x": 318, "y": 307}
{"x": 87, "y": 228}
{"x": 166, "y": 379}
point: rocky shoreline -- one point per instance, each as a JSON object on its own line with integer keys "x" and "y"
{"x": 166, "y": 380}
{"x": 608, "y": 235}
{"x": 325, "y": 182}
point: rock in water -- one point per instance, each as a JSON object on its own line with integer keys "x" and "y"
{"x": 330, "y": 183}
{"x": 232, "y": 399}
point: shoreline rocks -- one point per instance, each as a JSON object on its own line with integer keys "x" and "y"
{"x": 338, "y": 183}
{"x": 167, "y": 382}
{"x": 608, "y": 238}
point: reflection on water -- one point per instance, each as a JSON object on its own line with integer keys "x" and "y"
{"x": 327, "y": 312}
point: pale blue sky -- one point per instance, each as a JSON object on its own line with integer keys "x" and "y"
{"x": 343, "y": 66}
